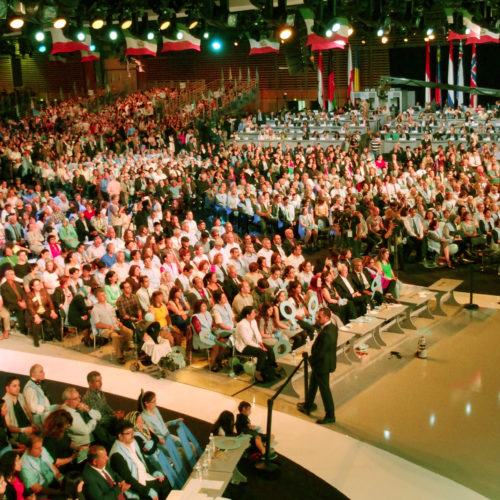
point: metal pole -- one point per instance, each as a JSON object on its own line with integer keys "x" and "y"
{"x": 305, "y": 355}
{"x": 270, "y": 403}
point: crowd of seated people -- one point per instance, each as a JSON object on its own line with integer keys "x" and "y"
{"x": 104, "y": 452}
{"x": 112, "y": 223}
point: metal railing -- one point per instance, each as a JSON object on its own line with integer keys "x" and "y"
{"x": 270, "y": 403}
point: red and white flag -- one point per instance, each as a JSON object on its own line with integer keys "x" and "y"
{"x": 428, "y": 97}
{"x": 61, "y": 44}
{"x": 264, "y": 46}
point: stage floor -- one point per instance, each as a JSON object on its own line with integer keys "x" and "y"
{"x": 437, "y": 418}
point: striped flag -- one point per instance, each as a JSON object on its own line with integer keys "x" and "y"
{"x": 473, "y": 76}
{"x": 331, "y": 83}
{"x": 438, "y": 74}
{"x": 451, "y": 95}
{"x": 460, "y": 74}
{"x": 264, "y": 46}
{"x": 320, "y": 81}
{"x": 139, "y": 47}
{"x": 61, "y": 44}
{"x": 428, "y": 96}
{"x": 89, "y": 56}
{"x": 186, "y": 42}
{"x": 338, "y": 39}
{"x": 356, "y": 72}
{"x": 350, "y": 76}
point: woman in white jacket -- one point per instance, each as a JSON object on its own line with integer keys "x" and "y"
{"x": 248, "y": 341}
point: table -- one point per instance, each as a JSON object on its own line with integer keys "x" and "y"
{"x": 221, "y": 469}
{"x": 443, "y": 287}
{"x": 391, "y": 314}
{"x": 417, "y": 299}
{"x": 364, "y": 326}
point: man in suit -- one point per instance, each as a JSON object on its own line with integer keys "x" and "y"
{"x": 289, "y": 242}
{"x": 323, "y": 361}
{"x": 129, "y": 463}
{"x": 231, "y": 284}
{"x": 347, "y": 290}
{"x": 362, "y": 281}
{"x": 84, "y": 228}
{"x": 101, "y": 482}
{"x": 14, "y": 298}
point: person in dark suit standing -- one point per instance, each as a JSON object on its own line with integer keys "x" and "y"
{"x": 101, "y": 482}
{"x": 323, "y": 361}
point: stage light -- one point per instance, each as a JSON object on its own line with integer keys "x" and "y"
{"x": 285, "y": 33}
{"x": 432, "y": 36}
{"x": 467, "y": 31}
{"x": 363, "y": 42}
{"x": 16, "y": 23}
{"x": 92, "y": 47}
{"x": 216, "y": 45}
{"x": 97, "y": 23}
{"x": 39, "y": 36}
{"x": 236, "y": 43}
{"x": 193, "y": 24}
{"x": 405, "y": 40}
{"x": 60, "y": 23}
{"x": 426, "y": 39}
{"x": 80, "y": 36}
{"x": 180, "y": 35}
{"x": 150, "y": 35}
{"x": 329, "y": 33}
{"x": 206, "y": 35}
{"x": 42, "y": 48}
{"x": 384, "y": 40}
{"x": 125, "y": 21}
{"x": 113, "y": 35}
{"x": 164, "y": 22}
{"x": 380, "y": 32}
{"x": 350, "y": 31}
{"x": 335, "y": 26}
{"x": 429, "y": 31}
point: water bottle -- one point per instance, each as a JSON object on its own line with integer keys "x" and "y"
{"x": 197, "y": 471}
{"x": 208, "y": 454}
{"x": 206, "y": 463}
{"x": 212, "y": 444}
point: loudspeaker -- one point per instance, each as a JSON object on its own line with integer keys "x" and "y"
{"x": 17, "y": 73}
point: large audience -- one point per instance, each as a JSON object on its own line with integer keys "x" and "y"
{"x": 153, "y": 230}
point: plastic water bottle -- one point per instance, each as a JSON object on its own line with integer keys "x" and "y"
{"x": 206, "y": 463}
{"x": 197, "y": 471}
{"x": 212, "y": 444}
{"x": 208, "y": 454}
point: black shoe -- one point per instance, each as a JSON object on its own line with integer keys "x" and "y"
{"x": 326, "y": 420}
{"x": 36, "y": 343}
{"x": 303, "y": 409}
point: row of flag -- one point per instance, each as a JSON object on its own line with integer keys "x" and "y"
{"x": 453, "y": 98}
{"x": 352, "y": 80}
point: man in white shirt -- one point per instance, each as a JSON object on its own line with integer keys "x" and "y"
{"x": 152, "y": 273}
{"x": 107, "y": 324}
{"x": 266, "y": 251}
{"x": 34, "y": 395}
{"x": 81, "y": 428}
{"x": 296, "y": 258}
{"x": 96, "y": 251}
{"x": 121, "y": 267}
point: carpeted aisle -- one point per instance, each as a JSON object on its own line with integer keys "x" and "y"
{"x": 294, "y": 482}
